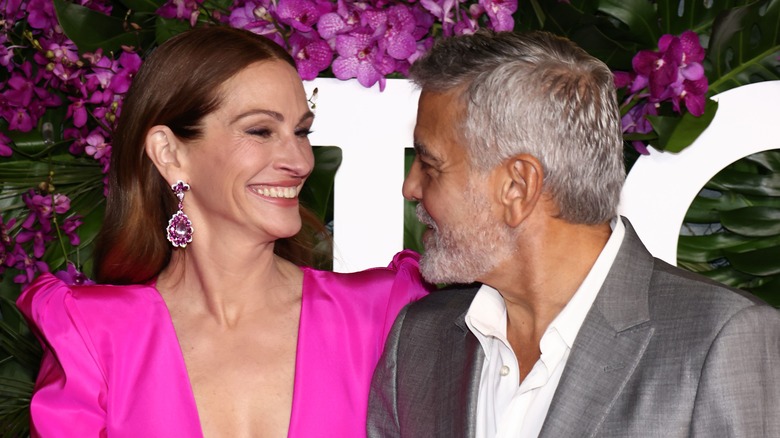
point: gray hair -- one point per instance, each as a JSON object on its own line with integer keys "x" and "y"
{"x": 539, "y": 94}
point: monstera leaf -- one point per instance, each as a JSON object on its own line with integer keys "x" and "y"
{"x": 675, "y": 16}
{"x": 736, "y": 227}
{"x": 745, "y": 46}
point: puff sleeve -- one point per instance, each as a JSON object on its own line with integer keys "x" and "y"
{"x": 70, "y": 391}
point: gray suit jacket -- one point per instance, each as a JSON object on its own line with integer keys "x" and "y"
{"x": 661, "y": 353}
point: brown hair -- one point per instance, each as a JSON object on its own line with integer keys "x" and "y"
{"x": 177, "y": 86}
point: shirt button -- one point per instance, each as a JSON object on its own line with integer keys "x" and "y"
{"x": 504, "y": 371}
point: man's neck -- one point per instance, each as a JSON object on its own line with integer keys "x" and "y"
{"x": 537, "y": 283}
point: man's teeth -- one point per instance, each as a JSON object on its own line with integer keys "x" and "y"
{"x": 279, "y": 192}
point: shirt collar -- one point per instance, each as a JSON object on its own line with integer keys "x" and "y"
{"x": 486, "y": 316}
{"x": 570, "y": 319}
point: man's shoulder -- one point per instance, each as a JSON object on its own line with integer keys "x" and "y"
{"x": 442, "y": 307}
{"x": 671, "y": 280}
{"x": 679, "y": 294}
{"x": 451, "y": 299}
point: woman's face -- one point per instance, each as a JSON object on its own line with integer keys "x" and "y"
{"x": 246, "y": 171}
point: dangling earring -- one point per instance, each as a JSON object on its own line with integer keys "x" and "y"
{"x": 179, "y": 229}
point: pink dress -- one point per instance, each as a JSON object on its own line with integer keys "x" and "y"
{"x": 112, "y": 364}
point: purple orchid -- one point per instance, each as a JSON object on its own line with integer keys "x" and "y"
{"x": 7, "y": 245}
{"x": 311, "y": 53}
{"x": 443, "y": 11}
{"x": 5, "y": 233}
{"x": 40, "y": 15}
{"x": 69, "y": 227}
{"x": 302, "y": 15}
{"x": 72, "y": 276}
{"x": 5, "y": 146}
{"x": 29, "y": 267}
{"x": 345, "y": 19}
{"x": 25, "y": 101}
{"x": 12, "y": 11}
{"x": 674, "y": 73}
{"x": 60, "y": 59}
{"x": 359, "y": 58}
{"x": 636, "y": 121}
{"x": 39, "y": 239}
{"x": 399, "y": 28}
{"x": 96, "y": 145}
{"x": 187, "y": 10}
{"x": 469, "y": 21}
{"x": 79, "y": 137}
{"x": 255, "y": 16}
{"x": 500, "y": 13}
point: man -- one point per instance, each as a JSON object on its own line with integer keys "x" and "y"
{"x": 576, "y": 330}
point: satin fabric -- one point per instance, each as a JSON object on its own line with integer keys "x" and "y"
{"x": 112, "y": 364}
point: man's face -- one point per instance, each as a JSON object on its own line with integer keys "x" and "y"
{"x": 464, "y": 241}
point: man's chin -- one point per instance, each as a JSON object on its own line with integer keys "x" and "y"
{"x": 438, "y": 268}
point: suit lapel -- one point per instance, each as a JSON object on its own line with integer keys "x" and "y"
{"x": 608, "y": 347}
{"x": 461, "y": 359}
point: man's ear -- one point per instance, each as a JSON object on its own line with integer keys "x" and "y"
{"x": 165, "y": 150}
{"x": 521, "y": 187}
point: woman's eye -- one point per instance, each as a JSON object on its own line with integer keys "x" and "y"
{"x": 303, "y": 132}
{"x": 264, "y": 133}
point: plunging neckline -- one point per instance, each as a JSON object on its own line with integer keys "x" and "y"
{"x": 182, "y": 365}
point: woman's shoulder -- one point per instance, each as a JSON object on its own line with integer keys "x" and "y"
{"x": 401, "y": 279}
{"x": 51, "y": 294}
{"x": 403, "y": 268}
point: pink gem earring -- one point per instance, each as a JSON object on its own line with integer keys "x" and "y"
{"x": 179, "y": 229}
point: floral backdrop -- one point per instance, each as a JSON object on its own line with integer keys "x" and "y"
{"x": 66, "y": 66}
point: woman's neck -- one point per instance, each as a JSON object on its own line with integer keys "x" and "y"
{"x": 228, "y": 282}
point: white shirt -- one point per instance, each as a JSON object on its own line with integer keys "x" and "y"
{"x": 505, "y": 410}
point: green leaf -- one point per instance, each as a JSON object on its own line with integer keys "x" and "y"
{"x": 745, "y": 46}
{"x": 707, "y": 248}
{"x": 580, "y": 21}
{"x": 148, "y": 6}
{"x": 726, "y": 275}
{"x": 707, "y": 209}
{"x": 91, "y": 30}
{"x": 15, "y": 336}
{"x": 677, "y": 133}
{"x": 762, "y": 261}
{"x": 768, "y": 160}
{"x": 677, "y": 16}
{"x": 638, "y": 15}
{"x": 166, "y": 28}
{"x": 317, "y": 193}
{"x": 752, "y": 221}
{"x": 413, "y": 228}
{"x": 769, "y": 291}
{"x": 746, "y": 182}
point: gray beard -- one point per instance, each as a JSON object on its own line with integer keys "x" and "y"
{"x": 465, "y": 252}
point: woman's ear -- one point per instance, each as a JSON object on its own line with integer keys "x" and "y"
{"x": 164, "y": 149}
{"x": 521, "y": 188}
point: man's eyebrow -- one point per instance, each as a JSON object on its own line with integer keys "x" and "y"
{"x": 423, "y": 152}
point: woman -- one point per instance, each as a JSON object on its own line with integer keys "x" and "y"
{"x": 218, "y": 336}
